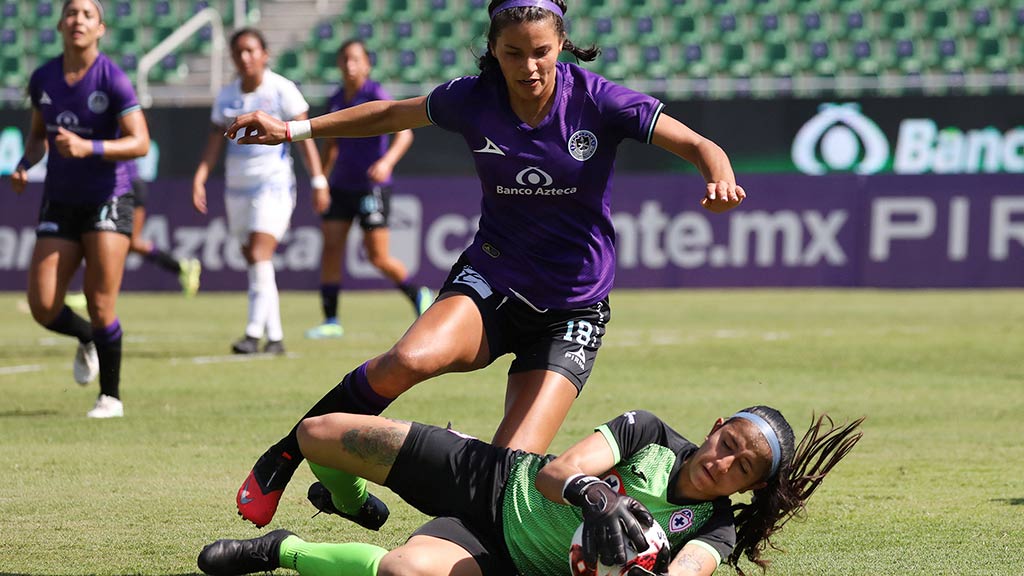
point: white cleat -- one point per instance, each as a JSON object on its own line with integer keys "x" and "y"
{"x": 107, "y": 407}
{"x": 87, "y": 363}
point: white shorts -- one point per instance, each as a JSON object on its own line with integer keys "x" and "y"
{"x": 267, "y": 209}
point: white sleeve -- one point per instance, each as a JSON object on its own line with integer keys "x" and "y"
{"x": 292, "y": 102}
{"x": 217, "y": 112}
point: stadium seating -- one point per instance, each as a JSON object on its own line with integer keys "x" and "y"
{"x": 428, "y": 41}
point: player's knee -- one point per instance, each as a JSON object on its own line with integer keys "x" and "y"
{"x": 410, "y": 363}
{"x": 400, "y": 563}
{"x": 311, "y": 431}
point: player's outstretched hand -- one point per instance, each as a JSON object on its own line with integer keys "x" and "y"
{"x": 722, "y": 196}
{"x": 257, "y": 128}
{"x": 610, "y": 521}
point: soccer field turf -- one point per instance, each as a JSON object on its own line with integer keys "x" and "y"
{"x": 935, "y": 487}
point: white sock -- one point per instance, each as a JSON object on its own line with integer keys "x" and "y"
{"x": 263, "y": 300}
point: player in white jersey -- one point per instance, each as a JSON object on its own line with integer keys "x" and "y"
{"x": 260, "y": 181}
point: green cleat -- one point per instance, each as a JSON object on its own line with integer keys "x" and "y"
{"x": 76, "y": 300}
{"x": 325, "y": 330}
{"x": 424, "y": 298}
{"x": 191, "y": 269}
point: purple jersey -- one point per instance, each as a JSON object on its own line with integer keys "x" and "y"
{"x": 91, "y": 108}
{"x": 356, "y": 155}
{"x": 546, "y": 232}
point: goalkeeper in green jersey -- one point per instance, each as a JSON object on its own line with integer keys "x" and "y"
{"x": 505, "y": 512}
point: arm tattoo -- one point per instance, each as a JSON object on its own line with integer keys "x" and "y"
{"x": 686, "y": 561}
{"x": 376, "y": 445}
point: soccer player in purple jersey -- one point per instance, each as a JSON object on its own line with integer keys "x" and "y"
{"x": 518, "y": 510}
{"x": 360, "y": 188}
{"x": 84, "y": 110}
{"x": 535, "y": 280}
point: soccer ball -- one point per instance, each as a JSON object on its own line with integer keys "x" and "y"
{"x": 655, "y": 538}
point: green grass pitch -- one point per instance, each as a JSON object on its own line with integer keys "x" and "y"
{"x": 935, "y": 487}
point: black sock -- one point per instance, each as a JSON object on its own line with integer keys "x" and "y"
{"x": 410, "y": 290}
{"x": 353, "y": 395}
{"x": 71, "y": 324}
{"x": 329, "y": 300}
{"x": 163, "y": 260}
{"x": 108, "y": 349}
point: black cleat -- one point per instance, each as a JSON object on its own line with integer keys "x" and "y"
{"x": 372, "y": 514}
{"x": 235, "y": 557}
{"x": 274, "y": 347}
{"x": 247, "y": 345}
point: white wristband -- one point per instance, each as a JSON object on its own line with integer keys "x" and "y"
{"x": 319, "y": 181}
{"x": 299, "y": 130}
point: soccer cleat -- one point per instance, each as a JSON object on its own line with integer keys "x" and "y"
{"x": 371, "y": 515}
{"x": 325, "y": 330}
{"x": 87, "y": 363}
{"x": 424, "y": 298}
{"x": 259, "y": 495}
{"x": 247, "y": 345}
{"x": 76, "y": 300}
{"x": 236, "y": 557}
{"x": 106, "y": 407}
{"x": 188, "y": 277}
{"x": 274, "y": 347}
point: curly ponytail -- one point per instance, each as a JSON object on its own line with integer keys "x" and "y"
{"x": 488, "y": 63}
{"x": 786, "y": 493}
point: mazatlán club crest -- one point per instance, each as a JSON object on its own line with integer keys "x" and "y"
{"x": 98, "y": 102}
{"x": 582, "y": 145}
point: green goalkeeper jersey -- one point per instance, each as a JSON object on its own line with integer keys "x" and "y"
{"x": 538, "y": 532}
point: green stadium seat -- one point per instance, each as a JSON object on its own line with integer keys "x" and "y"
{"x": 777, "y": 59}
{"x": 12, "y": 41}
{"x": 11, "y": 13}
{"x": 693, "y": 62}
{"x": 13, "y": 72}
{"x": 46, "y": 13}
{"x": 48, "y": 44}
{"x": 126, "y": 40}
{"x": 325, "y": 38}
{"x": 735, "y": 60}
{"x": 861, "y": 58}
{"x": 991, "y": 54}
{"x": 126, "y": 14}
{"x": 326, "y": 68}
{"x": 291, "y": 65}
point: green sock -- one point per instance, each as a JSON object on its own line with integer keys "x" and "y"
{"x": 330, "y": 559}
{"x": 348, "y": 491}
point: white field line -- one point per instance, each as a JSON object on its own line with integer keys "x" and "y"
{"x": 9, "y": 370}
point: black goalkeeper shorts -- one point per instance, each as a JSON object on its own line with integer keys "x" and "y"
{"x": 460, "y": 479}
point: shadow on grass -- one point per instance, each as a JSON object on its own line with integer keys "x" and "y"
{"x": 1010, "y": 501}
{"x": 25, "y": 414}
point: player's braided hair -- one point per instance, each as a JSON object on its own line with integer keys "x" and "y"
{"x": 801, "y": 471}
{"x": 489, "y": 63}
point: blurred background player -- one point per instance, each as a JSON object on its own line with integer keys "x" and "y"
{"x": 543, "y": 135}
{"x": 87, "y": 205}
{"x": 513, "y": 512}
{"x": 360, "y": 188}
{"x": 260, "y": 181}
{"x": 188, "y": 270}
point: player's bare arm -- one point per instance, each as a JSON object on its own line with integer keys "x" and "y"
{"x": 369, "y": 119}
{"x": 692, "y": 560}
{"x": 591, "y": 456}
{"x": 721, "y": 193}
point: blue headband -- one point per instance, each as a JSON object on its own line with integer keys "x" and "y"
{"x": 545, "y": 4}
{"x": 769, "y": 434}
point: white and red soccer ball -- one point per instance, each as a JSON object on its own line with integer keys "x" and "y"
{"x": 656, "y": 540}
